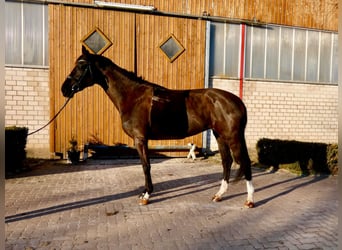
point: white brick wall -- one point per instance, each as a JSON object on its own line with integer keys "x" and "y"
{"x": 291, "y": 111}
{"x": 27, "y": 104}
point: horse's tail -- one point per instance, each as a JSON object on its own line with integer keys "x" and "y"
{"x": 244, "y": 161}
{"x": 244, "y": 170}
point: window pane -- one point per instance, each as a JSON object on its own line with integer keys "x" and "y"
{"x": 286, "y": 42}
{"x": 258, "y": 52}
{"x": 325, "y": 57}
{"x": 33, "y": 34}
{"x": 216, "y": 49}
{"x": 13, "y": 33}
{"x": 312, "y": 57}
{"x": 232, "y": 50}
{"x": 248, "y": 52}
{"x": 299, "y": 55}
{"x": 46, "y": 35}
{"x": 335, "y": 59}
{"x": 272, "y": 52}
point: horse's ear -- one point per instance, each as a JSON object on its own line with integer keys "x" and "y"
{"x": 85, "y": 51}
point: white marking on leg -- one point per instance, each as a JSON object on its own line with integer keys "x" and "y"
{"x": 223, "y": 188}
{"x": 250, "y": 191}
{"x": 144, "y": 199}
{"x": 146, "y": 196}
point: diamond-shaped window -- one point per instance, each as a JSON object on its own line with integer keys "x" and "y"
{"x": 96, "y": 41}
{"x": 171, "y": 47}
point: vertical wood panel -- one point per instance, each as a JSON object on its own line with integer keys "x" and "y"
{"x": 186, "y": 72}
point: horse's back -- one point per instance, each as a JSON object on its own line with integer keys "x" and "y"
{"x": 219, "y": 101}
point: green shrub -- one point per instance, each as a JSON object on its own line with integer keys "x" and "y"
{"x": 311, "y": 157}
{"x": 15, "y": 154}
{"x": 332, "y": 158}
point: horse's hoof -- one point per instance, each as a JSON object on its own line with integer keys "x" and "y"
{"x": 143, "y": 201}
{"x": 249, "y": 204}
{"x": 216, "y": 198}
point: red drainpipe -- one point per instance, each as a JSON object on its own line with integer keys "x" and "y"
{"x": 242, "y": 59}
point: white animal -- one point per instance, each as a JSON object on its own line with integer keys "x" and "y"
{"x": 192, "y": 151}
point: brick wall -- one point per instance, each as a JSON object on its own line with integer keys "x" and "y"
{"x": 27, "y": 104}
{"x": 292, "y": 111}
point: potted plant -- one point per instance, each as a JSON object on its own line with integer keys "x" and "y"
{"x": 73, "y": 152}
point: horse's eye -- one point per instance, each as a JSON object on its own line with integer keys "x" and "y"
{"x": 82, "y": 66}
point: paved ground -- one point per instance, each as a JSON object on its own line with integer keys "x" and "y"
{"x": 95, "y": 206}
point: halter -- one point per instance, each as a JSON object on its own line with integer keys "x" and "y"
{"x": 76, "y": 87}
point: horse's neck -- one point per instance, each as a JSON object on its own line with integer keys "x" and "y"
{"x": 120, "y": 88}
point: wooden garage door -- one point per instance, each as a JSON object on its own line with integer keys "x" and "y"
{"x": 136, "y": 39}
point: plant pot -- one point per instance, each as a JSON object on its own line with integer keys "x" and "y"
{"x": 74, "y": 156}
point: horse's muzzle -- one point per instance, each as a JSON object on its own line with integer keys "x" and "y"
{"x": 67, "y": 89}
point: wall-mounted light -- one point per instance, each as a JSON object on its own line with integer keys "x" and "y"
{"x": 125, "y": 6}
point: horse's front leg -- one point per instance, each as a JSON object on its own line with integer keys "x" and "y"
{"x": 142, "y": 148}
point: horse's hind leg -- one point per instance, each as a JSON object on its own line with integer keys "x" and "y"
{"x": 227, "y": 161}
{"x": 241, "y": 157}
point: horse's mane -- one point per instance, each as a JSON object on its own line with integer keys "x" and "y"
{"x": 105, "y": 62}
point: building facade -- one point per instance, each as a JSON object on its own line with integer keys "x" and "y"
{"x": 279, "y": 57}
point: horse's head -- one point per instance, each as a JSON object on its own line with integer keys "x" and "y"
{"x": 84, "y": 74}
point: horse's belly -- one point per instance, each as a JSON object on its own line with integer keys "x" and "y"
{"x": 171, "y": 116}
{"x": 168, "y": 128}
{"x": 168, "y": 117}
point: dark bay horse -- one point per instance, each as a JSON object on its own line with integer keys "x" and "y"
{"x": 149, "y": 111}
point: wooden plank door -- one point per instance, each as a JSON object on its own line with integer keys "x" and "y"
{"x": 90, "y": 112}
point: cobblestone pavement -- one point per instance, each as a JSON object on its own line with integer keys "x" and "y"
{"x": 95, "y": 206}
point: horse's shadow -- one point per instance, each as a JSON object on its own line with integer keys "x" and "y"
{"x": 176, "y": 188}
{"x": 163, "y": 189}
{"x": 187, "y": 183}
{"x": 307, "y": 181}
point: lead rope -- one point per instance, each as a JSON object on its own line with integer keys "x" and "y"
{"x": 53, "y": 118}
